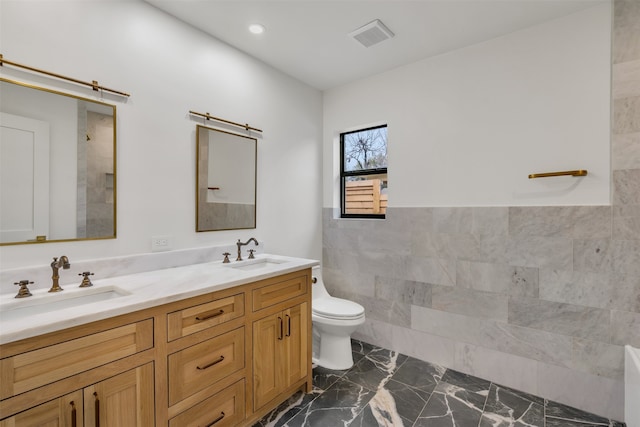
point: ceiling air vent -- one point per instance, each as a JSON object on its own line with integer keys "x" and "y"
{"x": 372, "y": 33}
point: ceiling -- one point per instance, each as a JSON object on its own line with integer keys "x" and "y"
{"x": 309, "y": 39}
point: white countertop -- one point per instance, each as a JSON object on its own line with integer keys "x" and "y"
{"x": 143, "y": 290}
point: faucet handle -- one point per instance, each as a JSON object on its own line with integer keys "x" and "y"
{"x": 86, "y": 282}
{"x": 251, "y": 251}
{"x": 23, "y": 292}
{"x": 226, "y": 258}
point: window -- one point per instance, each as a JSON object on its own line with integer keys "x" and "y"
{"x": 363, "y": 173}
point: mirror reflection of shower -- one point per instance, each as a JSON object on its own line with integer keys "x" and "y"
{"x": 95, "y": 173}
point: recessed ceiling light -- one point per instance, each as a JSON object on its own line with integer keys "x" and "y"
{"x": 256, "y": 28}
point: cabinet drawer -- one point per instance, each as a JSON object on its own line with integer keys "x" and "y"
{"x": 201, "y": 365}
{"x": 269, "y": 295}
{"x": 27, "y": 371}
{"x": 195, "y": 319}
{"x": 225, "y": 408}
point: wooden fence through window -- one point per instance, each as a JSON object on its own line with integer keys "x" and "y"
{"x": 364, "y": 197}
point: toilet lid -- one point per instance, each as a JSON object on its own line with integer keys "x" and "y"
{"x": 337, "y": 308}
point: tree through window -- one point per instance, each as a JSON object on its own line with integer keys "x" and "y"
{"x": 363, "y": 172}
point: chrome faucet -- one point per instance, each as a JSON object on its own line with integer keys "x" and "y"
{"x": 240, "y": 244}
{"x": 55, "y": 265}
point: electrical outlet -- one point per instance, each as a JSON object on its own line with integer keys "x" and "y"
{"x": 160, "y": 243}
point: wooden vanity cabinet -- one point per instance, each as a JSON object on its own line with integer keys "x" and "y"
{"x": 204, "y": 364}
{"x": 63, "y": 411}
{"x": 225, "y": 359}
{"x": 100, "y": 374}
{"x": 123, "y": 400}
{"x": 281, "y": 337}
{"x": 46, "y": 364}
{"x": 225, "y": 408}
{"x": 280, "y": 346}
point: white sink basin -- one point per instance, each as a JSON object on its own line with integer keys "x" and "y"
{"x": 47, "y": 303}
{"x": 257, "y": 264}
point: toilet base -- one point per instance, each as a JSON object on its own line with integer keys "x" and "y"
{"x": 335, "y": 352}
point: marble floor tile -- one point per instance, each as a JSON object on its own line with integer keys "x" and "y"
{"x": 451, "y": 406}
{"x": 361, "y": 347}
{"x": 395, "y": 404}
{"x": 507, "y": 407}
{"x": 339, "y": 405}
{"x": 467, "y": 382}
{"x": 457, "y": 400}
{"x": 409, "y": 401}
{"x": 323, "y": 378}
{"x": 376, "y": 368}
{"x": 388, "y": 389}
{"x": 419, "y": 374}
{"x": 287, "y": 410}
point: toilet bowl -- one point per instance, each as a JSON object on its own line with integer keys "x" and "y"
{"x": 334, "y": 320}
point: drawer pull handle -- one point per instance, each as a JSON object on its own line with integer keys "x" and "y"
{"x": 288, "y": 334}
{"x": 74, "y": 422}
{"x": 95, "y": 394}
{"x": 217, "y": 419}
{"x": 202, "y": 368}
{"x": 211, "y": 316}
{"x": 280, "y": 331}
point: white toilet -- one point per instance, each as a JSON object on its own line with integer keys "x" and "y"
{"x": 334, "y": 320}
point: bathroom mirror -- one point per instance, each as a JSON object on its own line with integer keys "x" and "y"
{"x": 225, "y": 180}
{"x": 57, "y": 166}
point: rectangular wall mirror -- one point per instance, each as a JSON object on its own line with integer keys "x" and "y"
{"x": 225, "y": 180}
{"x": 57, "y": 166}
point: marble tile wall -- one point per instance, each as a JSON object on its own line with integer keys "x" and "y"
{"x": 542, "y": 299}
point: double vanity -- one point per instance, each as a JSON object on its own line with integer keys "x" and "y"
{"x": 208, "y": 344}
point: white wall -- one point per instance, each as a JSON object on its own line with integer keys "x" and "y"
{"x": 467, "y": 127}
{"x": 170, "y": 68}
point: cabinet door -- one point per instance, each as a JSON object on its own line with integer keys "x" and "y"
{"x": 295, "y": 343}
{"x": 66, "y": 411}
{"x": 124, "y": 400}
{"x": 268, "y": 372}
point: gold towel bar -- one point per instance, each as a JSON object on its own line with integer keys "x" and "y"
{"x": 579, "y": 172}
{"x": 93, "y": 85}
{"x": 229, "y": 122}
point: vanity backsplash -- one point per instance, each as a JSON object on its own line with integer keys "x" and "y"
{"x": 104, "y": 268}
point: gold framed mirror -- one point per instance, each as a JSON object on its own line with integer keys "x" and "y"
{"x": 57, "y": 166}
{"x": 225, "y": 180}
